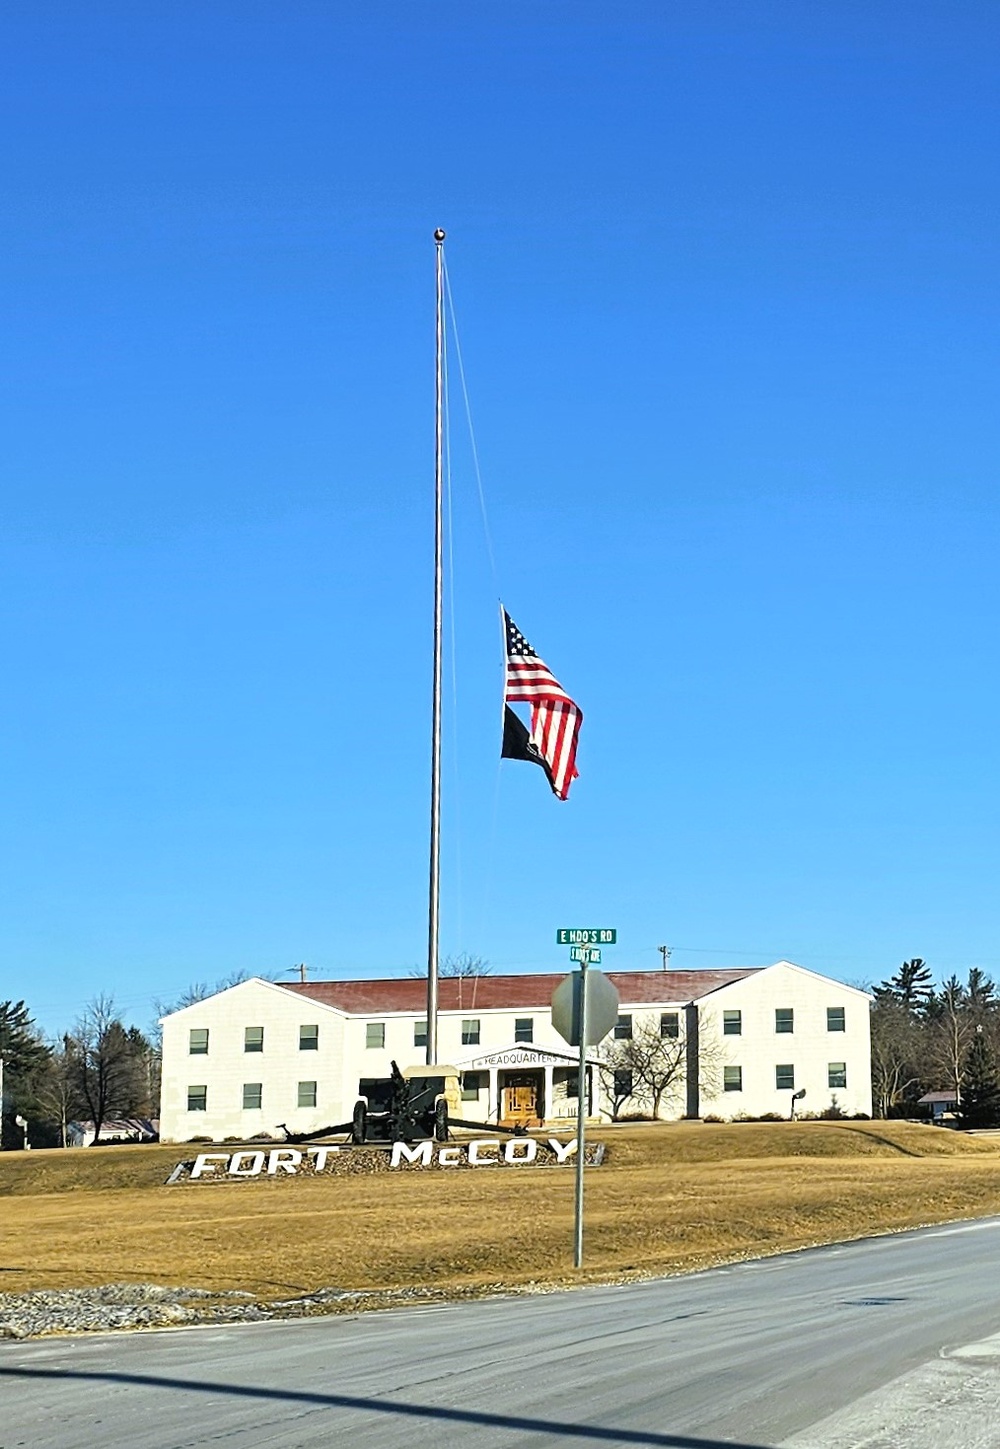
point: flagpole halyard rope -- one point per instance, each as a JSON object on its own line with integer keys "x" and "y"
{"x": 452, "y": 645}
{"x": 472, "y": 432}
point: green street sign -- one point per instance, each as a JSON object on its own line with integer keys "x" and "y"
{"x": 586, "y": 936}
{"x": 590, "y": 954}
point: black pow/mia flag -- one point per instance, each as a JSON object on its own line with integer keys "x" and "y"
{"x": 517, "y": 743}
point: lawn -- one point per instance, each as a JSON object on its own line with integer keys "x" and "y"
{"x": 669, "y": 1197}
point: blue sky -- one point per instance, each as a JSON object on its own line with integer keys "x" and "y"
{"x": 725, "y": 279}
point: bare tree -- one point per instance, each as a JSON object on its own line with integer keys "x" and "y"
{"x": 951, "y": 1027}
{"x": 896, "y": 1055}
{"x": 464, "y": 964}
{"x": 104, "y": 1062}
{"x": 56, "y": 1093}
{"x": 645, "y": 1067}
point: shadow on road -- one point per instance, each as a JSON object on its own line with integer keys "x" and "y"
{"x": 597, "y": 1433}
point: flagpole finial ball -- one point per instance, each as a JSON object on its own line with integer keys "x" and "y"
{"x": 439, "y": 236}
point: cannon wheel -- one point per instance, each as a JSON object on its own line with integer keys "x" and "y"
{"x": 441, "y": 1120}
{"x": 359, "y": 1123}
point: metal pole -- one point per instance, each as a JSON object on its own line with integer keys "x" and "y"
{"x": 1, "y": 1103}
{"x": 435, "y": 864}
{"x": 581, "y": 1113}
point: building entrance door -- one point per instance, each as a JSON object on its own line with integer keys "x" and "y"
{"x": 519, "y": 1100}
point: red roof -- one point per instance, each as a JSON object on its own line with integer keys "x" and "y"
{"x": 489, "y": 993}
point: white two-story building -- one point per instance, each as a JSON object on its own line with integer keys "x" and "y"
{"x": 259, "y": 1055}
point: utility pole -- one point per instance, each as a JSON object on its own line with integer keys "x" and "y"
{"x": 665, "y": 953}
{"x": 302, "y": 972}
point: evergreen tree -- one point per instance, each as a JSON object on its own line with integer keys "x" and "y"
{"x": 21, "y": 1047}
{"x": 980, "y": 1105}
{"x": 25, "y": 1057}
{"x": 980, "y": 992}
{"x": 912, "y": 986}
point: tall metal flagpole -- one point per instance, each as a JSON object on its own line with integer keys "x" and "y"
{"x": 435, "y": 870}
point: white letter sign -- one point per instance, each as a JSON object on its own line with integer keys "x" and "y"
{"x": 562, "y": 1150}
{"x": 420, "y": 1153}
{"x": 481, "y": 1143}
{"x": 253, "y": 1167}
{"x": 205, "y": 1161}
{"x": 283, "y": 1159}
{"x": 512, "y": 1154}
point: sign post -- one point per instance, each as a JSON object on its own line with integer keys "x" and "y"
{"x": 583, "y": 1022}
{"x": 581, "y": 1111}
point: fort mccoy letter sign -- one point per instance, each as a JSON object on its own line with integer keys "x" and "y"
{"x": 323, "y": 1161}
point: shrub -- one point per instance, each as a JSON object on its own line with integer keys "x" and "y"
{"x": 833, "y": 1113}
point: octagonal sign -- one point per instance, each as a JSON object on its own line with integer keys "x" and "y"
{"x": 602, "y": 1008}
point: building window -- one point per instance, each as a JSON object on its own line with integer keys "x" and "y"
{"x": 375, "y": 1034}
{"x": 732, "y": 1079}
{"x": 670, "y": 1024}
{"x": 623, "y": 1029}
{"x": 732, "y": 1023}
{"x": 252, "y": 1095}
{"x": 420, "y": 1033}
{"x": 307, "y": 1094}
{"x": 524, "y": 1028}
{"x": 308, "y": 1038}
{"x": 470, "y": 1031}
{"x": 623, "y": 1084}
{"x": 835, "y": 1019}
{"x": 572, "y": 1085}
{"x": 784, "y": 1019}
{"x": 836, "y": 1074}
{"x": 253, "y": 1039}
{"x": 471, "y": 1084}
{"x": 198, "y": 1041}
{"x": 784, "y": 1078}
{"x": 197, "y": 1099}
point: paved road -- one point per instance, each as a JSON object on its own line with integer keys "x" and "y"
{"x": 889, "y": 1344}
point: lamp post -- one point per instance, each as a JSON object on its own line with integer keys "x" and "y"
{"x": 22, "y": 1122}
{"x": 796, "y": 1097}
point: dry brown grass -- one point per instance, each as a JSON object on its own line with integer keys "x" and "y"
{"x": 669, "y": 1197}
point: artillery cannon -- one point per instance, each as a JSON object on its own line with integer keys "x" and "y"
{"x": 407, "y": 1107}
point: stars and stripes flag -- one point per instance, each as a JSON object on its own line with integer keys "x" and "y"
{"x": 555, "y": 718}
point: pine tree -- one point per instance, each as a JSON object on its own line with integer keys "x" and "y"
{"x": 912, "y": 986}
{"x": 980, "y": 1086}
{"x": 21, "y": 1047}
{"x": 980, "y": 991}
{"x": 25, "y": 1056}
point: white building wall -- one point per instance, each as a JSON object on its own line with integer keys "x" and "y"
{"x": 228, "y": 1066}
{"x": 810, "y": 1048}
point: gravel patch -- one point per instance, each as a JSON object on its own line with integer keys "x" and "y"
{"x": 150, "y": 1305}
{"x": 115, "y": 1305}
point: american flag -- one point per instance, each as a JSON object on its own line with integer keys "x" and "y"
{"x": 555, "y": 718}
